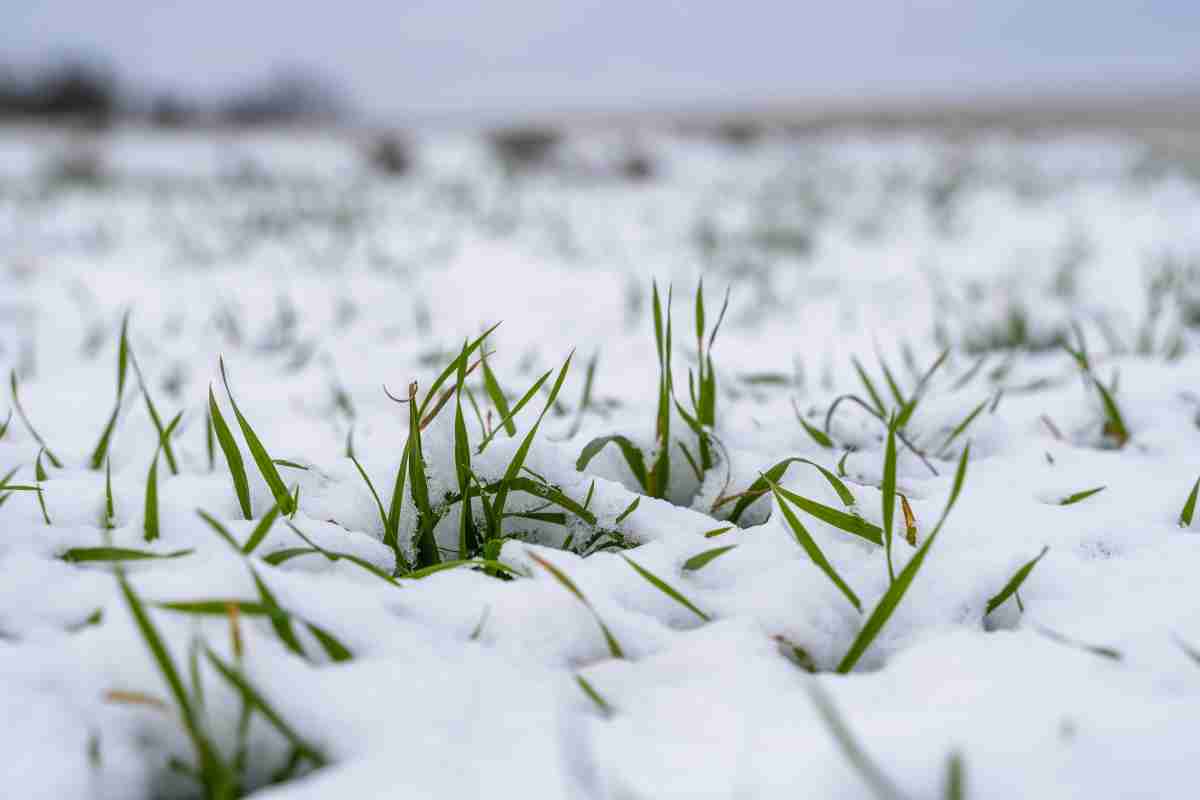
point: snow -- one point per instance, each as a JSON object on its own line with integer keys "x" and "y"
{"x": 318, "y": 283}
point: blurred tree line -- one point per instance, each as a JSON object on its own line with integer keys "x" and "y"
{"x": 82, "y": 91}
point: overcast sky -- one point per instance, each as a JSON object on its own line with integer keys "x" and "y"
{"x": 403, "y": 59}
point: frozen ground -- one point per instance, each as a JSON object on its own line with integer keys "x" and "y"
{"x": 319, "y": 283}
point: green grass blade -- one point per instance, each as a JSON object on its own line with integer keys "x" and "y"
{"x": 87, "y": 555}
{"x": 391, "y": 531}
{"x": 280, "y": 620}
{"x": 872, "y": 392}
{"x": 1189, "y": 507}
{"x": 215, "y": 774}
{"x": 496, "y": 395}
{"x": 810, "y": 547}
{"x": 854, "y": 525}
{"x": 518, "y": 459}
{"x": 1014, "y": 583}
{"x": 817, "y": 435}
{"x": 525, "y": 398}
{"x": 219, "y": 529}
{"x": 701, "y": 560}
{"x": 665, "y": 588}
{"x": 110, "y": 513}
{"x": 962, "y": 427}
{"x": 261, "y": 530}
{"x": 266, "y": 466}
{"x": 896, "y": 591}
{"x": 956, "y": 779}
{"x": 451, "y": 369}
{"x": 150, "y": 512}
{"x": 16, "y": 402}
{"x": 855, "y": 754}
{"x": 39, "y": 474}
{"x": 468, "y": 542}
{"x": 1114, "y": 425}
{"x": 383, "y": 515}
{"x": 100, "y": 452}
{"x": 614, "y": 648}
{"x": 889, "y": 495}
{"x": 589, "y": 690}
{"x": 1072, "y": 499}
{"x": 762, "y": 485}
{"x": 233, "y": 456}
{"x": 418, "y": 485}
{"x": 629, "y": 510}
{"x": 254, "y": 698}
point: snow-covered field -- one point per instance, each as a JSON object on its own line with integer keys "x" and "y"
{"x": 658, "y": 620}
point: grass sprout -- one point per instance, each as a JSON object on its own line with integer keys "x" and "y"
{"x": 1014, "y": 583}
{"x": 1079, "y": 497}
{"x": 1188, "y": 512}
{"x": 702, "y": 560}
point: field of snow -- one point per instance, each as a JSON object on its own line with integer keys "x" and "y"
{"x": 915, "y": 523}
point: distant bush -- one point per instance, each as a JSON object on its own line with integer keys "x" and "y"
{"x": 70, "y": 90}
{"x": 289, "y": 97}
{"x": 80, "y": 165}
{"x": 390, "y": 154}
{"x": 637, "y": 166}
{"x": 526, "y": 147}
{"x": 739, "y": 132}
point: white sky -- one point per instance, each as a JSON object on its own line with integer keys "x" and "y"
{"x": 457, "y": 57}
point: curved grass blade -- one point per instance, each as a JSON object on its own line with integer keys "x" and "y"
{"x": 1014, "y": 583}
{"x": 100, "y": 452}
{"x": 164, "y": 434}
{"x": 16, "y": 402}
{"x": 762, "y": 485}
{"x": 633, "y": 456}
{"x": 665, "y": 588}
